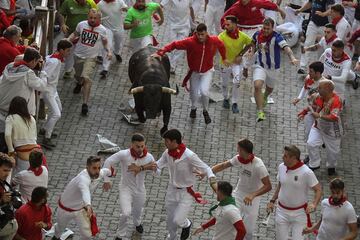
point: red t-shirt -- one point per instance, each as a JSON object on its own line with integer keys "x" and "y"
{"x": 27, "y": 215}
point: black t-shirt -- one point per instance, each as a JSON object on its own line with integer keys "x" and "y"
{"x": 319, "y": 5}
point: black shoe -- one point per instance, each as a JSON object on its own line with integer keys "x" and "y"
{"x": 43, "y": 131}
{"x": 315, "y": 168}
{"x": 77, "y": 88}
{"x": 301, "y": 71}
{"x": 306, "y": 159}
{"x": 99, "y": 59}
{"x": 117, "y": 238}
{"x": 206, "y": 117}
{"x": 355, "y": 57}
{"x": 193, "y": 113}
{"x": 185, "y": 233}
{"x": 331, "y": 172}
{"x": 235, "y": 108}
{"x": 139, "y": 229}
{"x": 226, "y": 104}
{"x": 118, "y": 58}
{"x": 355, "y": 83}
{"x": 84, "y": 109}
{"x": 55, "y": 238}
{"x": 103, "y": 74}
{"x": 48, "y": 142}
{"x": 323, "y": 145}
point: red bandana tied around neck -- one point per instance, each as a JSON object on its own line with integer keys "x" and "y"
{"x": 97, "y": 23}
{"x": 343, "y": 58}
{"x": 264, "y": 39}
{"x": 109, "y": 1}
{"x": 246, "y": 161}
{"x": 331, "y": 39}
{"x": 342, "y": 200}
{"x": 135, "y": 155}
{"x": 336, "y": 20}
{"x": 37, "y": 171}
{"x": 58, "y": 56}
{"x": 233, "y": 34}
{"x": 296, "y": 166}
{"x": 21, "y": 62}
{"x": 178, "y": 152}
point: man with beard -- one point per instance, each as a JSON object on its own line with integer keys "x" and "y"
{"x": 75, "y": 201}
{"x": 338, "y": 218}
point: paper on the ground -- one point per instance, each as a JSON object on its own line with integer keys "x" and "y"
{"x": 269, "y": 101}
{"x": 106, "y": 145}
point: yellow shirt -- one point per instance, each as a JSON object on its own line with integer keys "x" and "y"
{"x": 234, "y": 46}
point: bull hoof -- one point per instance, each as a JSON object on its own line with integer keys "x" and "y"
{"x": 163, "y": 130}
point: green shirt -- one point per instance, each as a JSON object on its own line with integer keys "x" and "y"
{"x": 144, "y": 17}
{"x": 75, "y": 13}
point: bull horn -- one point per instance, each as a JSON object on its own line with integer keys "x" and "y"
{"x": 137, "y": 90}
{"x": 170, "y": 90}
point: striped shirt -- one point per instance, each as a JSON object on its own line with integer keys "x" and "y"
{"x": 268, "y": 53}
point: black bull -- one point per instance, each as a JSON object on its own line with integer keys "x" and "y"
{"x": 150, "y": 85}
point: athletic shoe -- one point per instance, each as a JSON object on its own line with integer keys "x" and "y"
{"x": 355, "y": 83}
{"x": 301, "y": 71}
{"x": 331, "y": 172}
{"x": 206, "y": 117}
{"x": 139, "y": 229}
{"x": 118, "y": 58}
{"x": 117, "y": 238}
{"x": 185, "y": 233}
{"x": 67, "y": 75}
{"x": 193, "y": 113}
{"x": 47, "y": 142}
{"x": 260, "y": 116}
{"x": 235, "y": 108}
{"x": 99, "y": 59}
{"x": 103, "y": 74}
{"x": 77, "y": 88}
{"x": 226, "y": 104}
{"x": 306, "y": 159}
{"x": 314, "y": 168}
{"x": 323, "y": 145}
{"x": 84, "y": 109}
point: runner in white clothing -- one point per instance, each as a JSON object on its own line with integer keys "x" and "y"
{"x": 75, "y": 201}
{"x": 338, "y": 218}
{"x": 227, "y": 220}
{"x": 253, "y": 182}
{"x": 343, "y": 28}
{"x": 326, "y": 41}
{"x": 214, "y": 10}
{"x": 294, "y": 181}
{"x": 134, "y": 161}
{"x": 181, "y": 163}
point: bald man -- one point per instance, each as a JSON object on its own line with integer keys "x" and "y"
{"x": 325, "y": 107}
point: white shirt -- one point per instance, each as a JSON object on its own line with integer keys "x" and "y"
{"x": 77, "y": 193}
{"x": 128, "y": 179}
{"x": 226, "y": 217}
{"x": 343, "y": 29}
{"x": 52, "y": 68}
{"x": 27, "y": 181}
{"x": 250, "y": 174}
{"x": 178, "y": 12}
{"x": 295, "y": 185}
{"x": 181, "y": 170}
{"x": 335, "y": 220}
{"x": 309, "y": 84}
{"x": 325, "y": 45}
{"x": 90, "y": 40}
{"x": 337, "y": 70}
{"x": 112, "y": 14}
{"x": 217, "y": 4}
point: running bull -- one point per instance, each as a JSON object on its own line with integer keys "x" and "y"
{"x": 150, "y": 85}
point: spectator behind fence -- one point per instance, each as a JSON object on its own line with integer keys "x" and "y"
{"x": 35, "y": 176}
{"x": 19, "y": 79}
{"x": 9, "y": 47}
{"x": 34, "y": 216}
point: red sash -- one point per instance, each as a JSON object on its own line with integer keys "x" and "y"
{"x": 44, "y": 162}
{"x": 196, "y": 195}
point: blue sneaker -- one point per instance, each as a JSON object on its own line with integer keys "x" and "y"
{"x": 235, "y": 108}
{"x": 226, "y": 104}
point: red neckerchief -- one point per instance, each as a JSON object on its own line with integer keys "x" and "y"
{"x": 246, "y": 161}
{"x": 109, "y": 1}
{"x": 58, "y": 56}
{"x": 20, "y": 62}
{"x": 330, "y": 39}
{"x": 37, "y": 171}
{"x": 343, "y": 58}
{"x": 296, "y": 166}
{"x": 178, "y": 152}
{"x": 233, "y": 34}
{"x": 136, "y": 6}
{"x": 336, "y": 20}
{"x": 264, "y": 39}
{"x": 135, "y": 155}
{"x": 342, "y": 200}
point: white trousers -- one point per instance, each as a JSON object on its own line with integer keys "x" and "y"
{"x": 249, "y": 213}
{"x": 54, "y": 104}
{"x": 115, "y": 43}
{"x": 81, "y": 219}
{"x": 213, "y": 15}
{"x": 355, "y": 25}
{"x": 316, "y": 139}
{"x": 131, "y": 205}
{"x": 199, "y": 88}
{"x": 177, "y": 34}
{"x": 139, "y": 43}
{"x": 233, "y": 73}
{"x": 308, "y": 123}
{"x": 178, "y": 204}
{"x": 311, "y": 33}
{"x": 286, "y": 220}
{"x": 69, "y": 61}
{"x": 349, "y": 14}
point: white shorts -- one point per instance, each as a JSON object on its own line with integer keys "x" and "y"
{"x": 269, "y": 76}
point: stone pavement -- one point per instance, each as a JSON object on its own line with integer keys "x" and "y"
{"x": 213, "y": 143}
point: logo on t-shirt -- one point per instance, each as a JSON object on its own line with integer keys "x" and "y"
{"x": 89, "y": 37}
